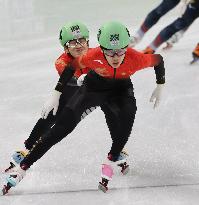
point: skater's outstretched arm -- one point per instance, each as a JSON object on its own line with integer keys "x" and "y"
{"x": 160, "y": 80}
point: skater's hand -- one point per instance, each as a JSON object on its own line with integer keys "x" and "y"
{"x": 51, "y": 104}
{"x": 80, "y": 80}
{"x": 156, "y": 95}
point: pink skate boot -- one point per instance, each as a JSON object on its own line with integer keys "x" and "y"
{"x": 107, "y": 173}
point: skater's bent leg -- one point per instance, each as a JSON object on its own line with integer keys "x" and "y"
{"x": 65, "y": 124}
{"x": 179, "y": 24}
{"x": 41, "y": 127}
{"x": 62, "y": 128}
{"x": 111, "y": 112}
{"x": 153, "y": 17}
{"x": 126, "y": 120}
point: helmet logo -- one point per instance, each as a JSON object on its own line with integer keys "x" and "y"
{"x": 98, "y": 35}
{"x": 114, "y": 40}
{"x": 60, "y": 35}
{"x": 76, "y": 31}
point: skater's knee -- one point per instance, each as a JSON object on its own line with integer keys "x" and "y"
{"x": 166, "y": 6}
{"x": 66, "y": 122}
{"x": 55, "y": 135}
{"x": 130, "y": 106}
{"x": 67, "y": 118}
{"x": 180, "y": 24}
{"x": 170, "y": 31}
{"x": 160, "y": 11}
{"x": 154, "y": 16}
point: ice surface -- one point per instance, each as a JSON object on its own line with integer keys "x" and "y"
{"x": 163, "y": 146}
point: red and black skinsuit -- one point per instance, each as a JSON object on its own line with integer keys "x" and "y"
{"x": 103, "y": 85}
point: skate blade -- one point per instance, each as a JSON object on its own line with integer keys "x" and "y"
{"x": 5, "y": 189}
{"x": 194, "y": 61}
{"x": 10, "y": 168}
{"x": 126, "y": 170}
{"x": 168, "y": 46}
{"x": 102, "y": 187}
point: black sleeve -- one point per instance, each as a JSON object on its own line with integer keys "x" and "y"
{"x": 64, "y": 78}
{"x": 160, "y": 71}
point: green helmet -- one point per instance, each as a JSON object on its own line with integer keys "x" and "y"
{"x": 73, "y": 30}
{"x": 113, "y": 35}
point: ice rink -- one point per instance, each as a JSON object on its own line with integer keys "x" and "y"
{"x": 164, "y": 143}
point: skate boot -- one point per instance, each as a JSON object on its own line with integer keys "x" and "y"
{"x": 107, "y": 173}
{"x": 195, "y": 54}
{"x": 168, "y": 46}
{"x": 148, "y": 50}
{"x": 16, "y": 176}
{"x": 13, "y": 179}
{"x": 17, "y": 157}
{"x": 121, "y": 161}
{"x": 107, "y": 169}
{"x": 174, "y": 39}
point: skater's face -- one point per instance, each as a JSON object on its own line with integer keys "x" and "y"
{"x": 77, "y": 47}
{"x": 115, "y": 57}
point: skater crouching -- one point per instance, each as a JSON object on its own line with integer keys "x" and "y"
{"x": 108, "y": 83}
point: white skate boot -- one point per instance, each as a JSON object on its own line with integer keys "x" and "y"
{"x": 15, "y": 176}
{"x": 13, "y": 179}
{"x": 173, "y": 40}
{"x": 122, "y": 162}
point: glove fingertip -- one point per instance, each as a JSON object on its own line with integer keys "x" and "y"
{"x": 46, "y": 115}
{"x": 55, "y": 111}
{"x": 42, "y": 115}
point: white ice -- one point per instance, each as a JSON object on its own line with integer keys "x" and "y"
{"x": 164, "y": 144}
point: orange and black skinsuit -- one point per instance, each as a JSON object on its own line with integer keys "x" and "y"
{"x": 102, "y": 85}
{"x": 43, "y": 125}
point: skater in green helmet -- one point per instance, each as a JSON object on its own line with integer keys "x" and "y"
{"x": 74, "y": 38}
{"x": 113, "y": 38}
{"x": 107, "y": 83}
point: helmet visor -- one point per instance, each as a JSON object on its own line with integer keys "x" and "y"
{"x": 73, "y": 43}
{"x": 118, "y": 52}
